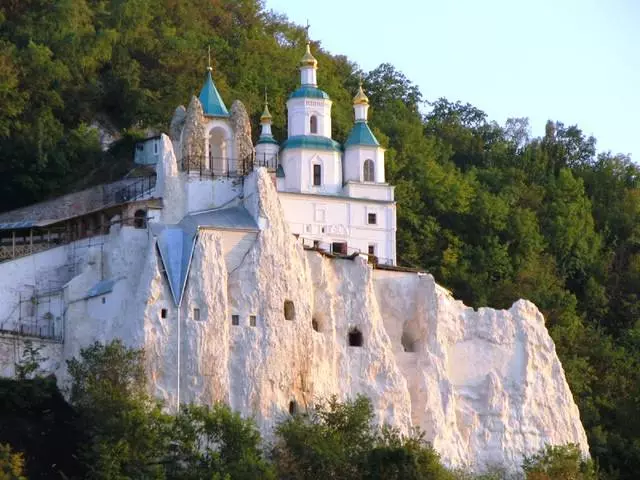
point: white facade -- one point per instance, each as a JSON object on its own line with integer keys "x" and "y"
{"x": 349, "y": 205}
{"x": 365, "y": 226}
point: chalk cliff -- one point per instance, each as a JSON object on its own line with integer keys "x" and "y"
{"x": 485, "y": 385}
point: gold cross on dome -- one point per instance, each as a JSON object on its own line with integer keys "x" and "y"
{"x": 307, "y": 29}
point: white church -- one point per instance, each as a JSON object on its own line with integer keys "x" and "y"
{"x": 332, "y": 194}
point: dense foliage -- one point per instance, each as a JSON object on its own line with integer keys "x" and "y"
{"x": 493, "y": 213}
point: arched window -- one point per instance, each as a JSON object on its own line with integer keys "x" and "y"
{"x": 218, "y": 161}
{"x": 140, "y": 219}
{"x": 369, "y": 171}
{"x": 313, "y": 124}
{"x": 317, "y": 175}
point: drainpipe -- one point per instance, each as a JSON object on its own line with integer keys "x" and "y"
{"x": 179, "y": 344}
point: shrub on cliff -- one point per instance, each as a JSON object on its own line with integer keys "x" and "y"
{"x": 559, "y": 462}
{"x": 339, "y": 440}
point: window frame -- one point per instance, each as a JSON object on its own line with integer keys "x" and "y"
{"x": 317, "y": 176}
{"x": 369, "y": 174}
{"x": 374, "y": 216}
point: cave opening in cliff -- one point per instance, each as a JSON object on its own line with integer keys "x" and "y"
{"x": 408, "y": 344}
{"x": 314, "y": 324}
{"x": 355, "y": 338}
{"x": 289, "y": 310}
{"x": 409, "y": 339}
{"x": 293, "y": 407}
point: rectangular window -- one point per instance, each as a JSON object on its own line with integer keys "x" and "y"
{"x": 196, "y": 314}
{"x": 155, "y": 147}
{"x": 163, "y": 313}
{"x": 339, "y": 247}
{"x": 235, "y": 320}
{"x": 372, "y": 249}
{"x": 317, "y": 175}
{"x": 252, "y": 320}
{"x": 372, "y": 218}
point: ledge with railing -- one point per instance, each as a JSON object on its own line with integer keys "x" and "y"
{"x": 228, "y": 167}
{"x": 342, "y": 250}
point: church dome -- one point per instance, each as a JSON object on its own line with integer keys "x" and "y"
{"x": 309, "y": 92}
{"x": 307, "y": 59}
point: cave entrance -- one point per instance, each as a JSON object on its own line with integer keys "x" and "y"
{"x": 355, "y": 338}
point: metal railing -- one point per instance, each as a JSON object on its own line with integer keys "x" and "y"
{"x": 135, "y": 190}
{"x": 45, "y": 331}
{"x": 228, "y": 167}
{"x": 341, "y": 250}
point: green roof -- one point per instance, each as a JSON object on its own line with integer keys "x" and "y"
{"x": 312, "y": 142}
{"x": 361, "y": 134}
{"x": 268, "y": 139}
{"x": 307, "y": 91}
{"x": 210, "y": 99}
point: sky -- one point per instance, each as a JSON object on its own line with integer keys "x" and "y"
{"x": 574, "y": 61}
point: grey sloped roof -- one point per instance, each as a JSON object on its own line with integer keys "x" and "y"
{"x": 176, "y": 242}
{"x": 232, "y": 218}
{"x": 66, "y": 206}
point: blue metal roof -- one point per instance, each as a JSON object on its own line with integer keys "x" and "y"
{"x": 176, "y": 248}
{"x": 267, "y": 139}
{"x": 307, "y": 91}
{"x": 361, "y": 134}
{"x": 102, "y": 287}
{"x": 26, "y": 224}
{"x": 177, "y": 242}
{"x": 211, "y": 100}
{"x": 314, "y": 142}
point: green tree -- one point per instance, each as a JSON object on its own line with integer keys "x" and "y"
{"x": 125, "y": 428}
{"x": 559, "y": 463}
{"x": 11, "y": 464}
{"x": 339, "y": 440}
{"x": 214, "y": 442}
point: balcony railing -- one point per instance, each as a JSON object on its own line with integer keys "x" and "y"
{"x": 228, "y": 167}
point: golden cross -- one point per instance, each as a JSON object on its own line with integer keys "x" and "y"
{"x": 307, "y": 29}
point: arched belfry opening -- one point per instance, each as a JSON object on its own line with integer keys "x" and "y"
{"x": 218, "y": 151}
{"x": 313, "y": 124}
{"x": 355, "y": 337}
{"x": 369, "y": 171}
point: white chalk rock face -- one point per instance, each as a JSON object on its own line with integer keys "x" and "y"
{"x": 486, "y": 386}
{"x": 282, "y": 328}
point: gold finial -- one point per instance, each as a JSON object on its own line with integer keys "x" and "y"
{"x": 209, "y": 54}
{"x": 266, "y": 115}
{"x": 308, "y": 60}
{"x": 360, "y": 98}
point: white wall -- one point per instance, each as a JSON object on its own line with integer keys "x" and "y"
{"x": 373, "y": 191}
{"x": 204, "y": 193}
{"x": 298, "y": 169}
{"x": 354, "y": 158}
{"x": 299, "y": 112}
{"x": 340, "y": 219}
